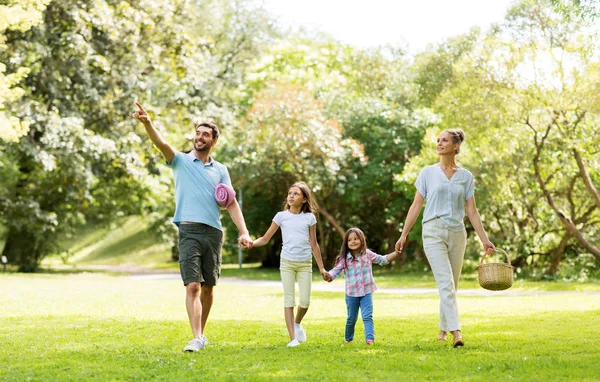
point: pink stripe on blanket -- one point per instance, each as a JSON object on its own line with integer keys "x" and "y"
{"x": 224, "y": 195}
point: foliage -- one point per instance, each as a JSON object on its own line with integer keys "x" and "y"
{"x": 573, "y": 9}
{"x": 533, "y": 79}
{"x": 370, "y": 95}
{"x": 355, "y": 124}
{"x": 16, "y": 16}
{"x": 88, "y": 63}
{"x": 378, "y": 107}
{"x": 285, "y": 137}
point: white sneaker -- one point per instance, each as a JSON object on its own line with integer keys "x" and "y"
{"x": 196, "y": 344}
{"x": 293, "y": 343}
{"x": 300, "y": 334}
{"x": 203, "y": 339}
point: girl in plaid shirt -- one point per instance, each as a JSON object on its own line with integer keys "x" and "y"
{"x": 356, "y": 260}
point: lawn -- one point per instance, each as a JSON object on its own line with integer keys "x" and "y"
{"x": 102, "y": 327}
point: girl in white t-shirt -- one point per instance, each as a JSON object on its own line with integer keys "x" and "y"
{"x": 298, "y": 229}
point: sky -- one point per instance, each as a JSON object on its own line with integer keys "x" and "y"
{"x": 367, "y": 23}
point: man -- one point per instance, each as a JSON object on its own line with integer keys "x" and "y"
{"x": 198, "y": 218}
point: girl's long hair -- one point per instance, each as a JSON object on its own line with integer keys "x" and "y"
{"x": 344, "y": 250}
{"x": 310, "y": 205}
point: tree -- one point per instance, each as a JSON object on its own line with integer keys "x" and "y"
{"x": 369, "y": 94}
{"x": 559, "y": 120}
{"x": 17, "y": 16}
{"x": 577, "y": 9}
{"x": 286, "y": 138}
{"x": 527, "y": 96}
{"x": 81, "y": 160}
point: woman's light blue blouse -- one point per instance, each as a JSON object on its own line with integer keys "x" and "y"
{"x": 445, "y": 198}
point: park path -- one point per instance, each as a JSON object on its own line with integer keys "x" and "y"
{"x": 140, "y": 273}
{"x": 339, "y": 287}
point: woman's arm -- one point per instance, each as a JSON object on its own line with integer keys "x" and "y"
{"x": 475, "y": 220}
{"x": 264, "y": 239}
{"x": 411, "y": 217}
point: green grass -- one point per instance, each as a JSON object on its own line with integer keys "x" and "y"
{"x": 391, "y": 278}
{"x": 102, "y": 327}
{"x": 127, "y": 243}
{"x": 394, "y": 278}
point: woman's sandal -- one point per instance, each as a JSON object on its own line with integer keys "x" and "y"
{"x": 458, "y": 342}
{"x": 442, "y": 337}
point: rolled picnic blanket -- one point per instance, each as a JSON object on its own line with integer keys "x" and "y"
{"x": 224, "y": 195}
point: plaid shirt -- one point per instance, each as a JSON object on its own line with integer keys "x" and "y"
{"x": 359, "y": 274}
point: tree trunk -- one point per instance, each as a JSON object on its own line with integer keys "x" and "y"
{"x": 333, "y": 248}
{"x": 563, "y": 218}
{"x": 570, "y": 226}
{"x": 586, "y": 178}
{"x": 557, "y": 254}
{"x": 332, "y": 221}
{"x": 23, "y": 249}
{"x": 328, "y": 245}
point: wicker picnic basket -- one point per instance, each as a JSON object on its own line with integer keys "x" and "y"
{"x": 495, "y": 276}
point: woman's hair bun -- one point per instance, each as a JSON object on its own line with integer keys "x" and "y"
{"x": 458, "y": 135}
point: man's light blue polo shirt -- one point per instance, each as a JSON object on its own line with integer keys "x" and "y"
{"x": 445, "y": 197}
{"x": 195, "y": 184}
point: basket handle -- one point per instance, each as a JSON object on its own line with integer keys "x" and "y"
{"x": 497, "y": 249}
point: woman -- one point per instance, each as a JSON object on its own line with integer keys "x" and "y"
{"x": 449, "y": 190}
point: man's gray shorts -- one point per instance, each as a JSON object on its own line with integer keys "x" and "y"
{"x": 200, "y": 253}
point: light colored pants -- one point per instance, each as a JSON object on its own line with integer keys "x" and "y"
{"x": 445, "y": 251}
{"x": 292, "y": 271}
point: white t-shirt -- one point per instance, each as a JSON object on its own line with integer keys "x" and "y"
{"x": 295, "y": 233}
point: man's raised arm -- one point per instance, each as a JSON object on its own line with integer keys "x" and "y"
{"x": 158, "y": 140}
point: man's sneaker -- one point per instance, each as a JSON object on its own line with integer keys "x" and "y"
{"x": 369, "y": 342}
{"x": 195, "y": 345}
{"x": 300, "y": 334}
{"x": 293, "y": 343}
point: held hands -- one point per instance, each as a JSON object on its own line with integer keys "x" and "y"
{"x": 245, "y": 241}
{"x": 400, "y": 243}
{"x": 326, "y": 276}
{"x": 141, "y": 114}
